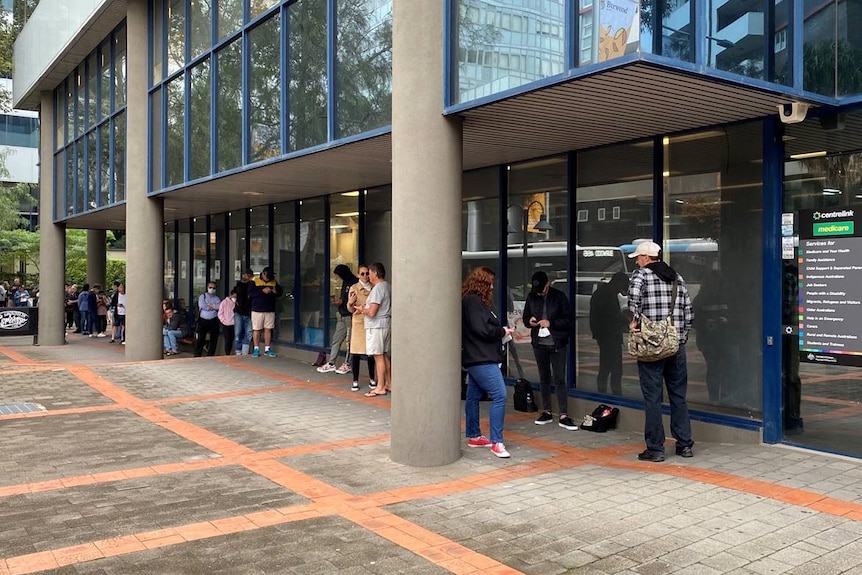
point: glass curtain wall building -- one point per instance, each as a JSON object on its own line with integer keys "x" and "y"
{"x": 586, "y": 128}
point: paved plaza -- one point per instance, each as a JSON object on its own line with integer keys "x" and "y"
{"x": 241, "y": 466}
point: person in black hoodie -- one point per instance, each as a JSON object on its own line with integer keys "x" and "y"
{"x": 242, "y": 314}
{"x": 344, "y": 319}
{"x": 481, "y": 355}
{"x": 650, "y": 295}
{"x": 549, "y": 314}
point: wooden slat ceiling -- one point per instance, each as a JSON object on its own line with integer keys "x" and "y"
{"x": 618, "y": 105}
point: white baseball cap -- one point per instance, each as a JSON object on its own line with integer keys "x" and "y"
{"x": 650, "y": 249}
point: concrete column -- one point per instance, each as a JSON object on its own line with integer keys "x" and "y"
{"x": 144, "y": 228}
{"x": 426, "y": 244}
{"x": 97, "y": 251}
{"x": 52, "y": 238}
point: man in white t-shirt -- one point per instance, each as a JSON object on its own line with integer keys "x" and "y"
{"x": 378, "y": 316}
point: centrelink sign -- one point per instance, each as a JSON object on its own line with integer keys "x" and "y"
{"x": 834, "y": 223}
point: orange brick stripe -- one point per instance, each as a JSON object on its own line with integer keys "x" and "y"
{"x": 16, "y": 357}
{"x": 222, "y": 395}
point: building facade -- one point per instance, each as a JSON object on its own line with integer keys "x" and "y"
{"x": 436, "y": 136}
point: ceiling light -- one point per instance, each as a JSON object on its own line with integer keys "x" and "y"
{"x": 831, "y": 192}
{"x": 807, "y": 155}
{"x": 252, "y": 193}
{"x": 352, "y": 194}
{"x": 346, "y": 214}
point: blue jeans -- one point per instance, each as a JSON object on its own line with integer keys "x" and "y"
{"x": 485, "y": 378}
{"x": 674, "y": 372}
{"x": 170, "y": 338}
{"x": 242, "y": 331}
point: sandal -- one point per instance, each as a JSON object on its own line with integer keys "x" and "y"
{"x": 374, "y": 394}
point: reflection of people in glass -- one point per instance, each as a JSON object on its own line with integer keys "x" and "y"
{"x": 510, "y": 345}
{"x": 714, "y": 339}
{"x": 607, "y": 324}
{"x": 791, "y": 383}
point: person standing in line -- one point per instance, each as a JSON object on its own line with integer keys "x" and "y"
{"x": 378, "y": 316}
{"x": 121, "y": 314}
{"x": 208, "y": 322}
{"x": 84, "y": 309}
{"x": 112, "y": 309}
{"x": 102, "y": 303}
{"x": 343, "y": 324}
{"x": 650, "y": 295}
{"x": 607, "y": 324}
{"x": 72, "y": 307}
{"x": 226, "y": 317}
{"x": 481, "y": 355}
{"x": 263, "y": 292}
{"x": 356, "y": 299}
{"x": 549, "y": 315}
{"x": 242, "y": 314}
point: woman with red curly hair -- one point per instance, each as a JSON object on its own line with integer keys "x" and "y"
{"x": 481, "y": 355}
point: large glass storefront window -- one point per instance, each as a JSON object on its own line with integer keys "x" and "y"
{"x": 821, "y": 395}
{"x": 284, "y": 236}
{"x": 713, "y": 207}
{"x": 378, "y": 227}
{"x": 229, "y": 106}
{"x": 184, "y": 282}
{"x": 306, "y": 72}
{"x": 537, "y": 236}
{"x": 265, "y": 90}
{"x": 312, "y": 271}
{"x": 505, "y": 45}
{"x": 238, "y": 244}
{"x": 200, "y": 249}
{"x": 614, "y": 208}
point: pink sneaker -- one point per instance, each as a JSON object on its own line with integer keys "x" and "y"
{"x": 480, "y": 441}
{"x": 343, "y": 368}
{"x": 499, "y": 450}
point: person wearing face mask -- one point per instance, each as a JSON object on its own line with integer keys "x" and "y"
{"x": 208, "y": 322}
{"x": 356, "y": 299}
{"x": 226, "y": 317}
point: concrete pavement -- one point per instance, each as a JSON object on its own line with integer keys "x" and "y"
{"x": 247, "y": 466}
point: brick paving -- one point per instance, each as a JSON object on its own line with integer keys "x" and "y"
{"x": 248, "y": 466}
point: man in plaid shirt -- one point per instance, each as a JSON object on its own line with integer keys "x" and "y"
{"x": 650, "y": 294}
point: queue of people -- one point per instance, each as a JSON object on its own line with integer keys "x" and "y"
{"x": 90, "y": 311}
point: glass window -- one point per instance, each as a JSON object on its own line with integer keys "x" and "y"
{"x": 120, "y": 69}
{"x": 258, "y": 7}
{"x": 70, "y": 180}
{"x": 175, "y": 130}
{"x": 104, "y": 79}
{"x": 619, "y": 180}
{"x": 676, "y": 29}
{"x": 200, "y": 245}
{"x": 312, "y": 271}
{"x": 104, "y": 164}
{"x": 238, "y": 244}
{"x": 537, "y": 239}
{"x": 176, "y": 35}
{"x": 229, "y": 125}
{"x": 199, "y": 121}
{"x": 170, "y": 267}
{"x": 185, "y": 271}
{"x": 307, "y": 80}
{"x": 484, "y": 26}
{"x": 60, "y": 184}
{"x": 60, "y": 117}
{"x": 156, "y": 127}
{"x": 229, "y": 17}
{"x": 120, "y": 157}
{"x": 343, "y": 244}
{"x": 284, "y": 234}
{"x": 364, "y": 65}
{"x": 92, "y": 174}
{"x": 713, "y": 209}
{"x": 378, "y": 227}
{"x": 726, "y": 47}
{"x": 781, "y": 43}
{"x": 259, "y": 238}
{"x": 217, "y": 244}
{"x": 92, "y": 89}
{"x": 81, "y": 108}
{"x": 265, "y": 90}
{"x": 157, "y": 41}
{"x": 200, "y": 21}
{"x": 80, "y": 177}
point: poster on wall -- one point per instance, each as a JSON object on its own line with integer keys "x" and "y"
{"x": 617, "y": 27}
{"x": 830, "y": 286}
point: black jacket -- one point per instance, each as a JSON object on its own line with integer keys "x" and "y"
{"x": 243, "y": 304}
{"x": 560, "y": 315}
{"x": 481, "y": 333}
{"x": 606, "y": 317}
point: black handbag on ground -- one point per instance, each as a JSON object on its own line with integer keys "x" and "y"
{"x": 603, "y": 418}
{"x": 523, "y": 396}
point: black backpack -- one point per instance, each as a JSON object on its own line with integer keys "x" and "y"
{"x": 603, "y": 418}
{"x": 523, "y": 396}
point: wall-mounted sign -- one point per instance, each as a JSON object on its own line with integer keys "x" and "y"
{"x": 830, "y": 286}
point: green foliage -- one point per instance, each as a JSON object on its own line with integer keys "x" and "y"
{"x": 20, "y": 246}
{"x": 11, "y": 200}
{"x": 819, "y": 61}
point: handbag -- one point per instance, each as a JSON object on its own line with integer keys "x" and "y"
{"x": 656, "y": 339}
{"x": 523, "y": 396}
{"x": 603, "y": 418}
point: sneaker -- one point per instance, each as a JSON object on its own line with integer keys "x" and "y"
{"x": 269, "y": 353}
{"x": 355, "y": 386}
{"x": 372, "y": 384}
{"x": 546, "y": 417}
{"x": 684, "y": 451}
{"x": 326, "y": 368}
{"x": 101, "y": 335}
{"x": 567, "y": 423}
{"x": 123, "y": 342}
{"x": 654, "y": 456}
{"x": 480, "y": 441}
{"x": 499, "y": 450}
{"x": 343, "y": 369}
{"x": 256, "y": 352}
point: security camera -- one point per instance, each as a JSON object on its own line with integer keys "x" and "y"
{"x": 792, "y": 112}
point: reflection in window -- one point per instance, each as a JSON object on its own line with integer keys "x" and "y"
{"x": 92, "y": 88}
{"x": 157, "y": 49}
{"x": 258, "y": 7}
{"x": 619, "y": 178}
{"x": 364, "y": 66}
{"x": 175, "y": 130}
{"x": 229, "y": 17}
{"x": 120, "y": 69}
{"x": 120, "y": 157}
{"x": 265, "y": 90}
{"x": 176, "y": 35}
{"x": 312, "y": 270}
{"x": 307, "y": 79}
{"x": 505, "y": 46}
{"x": 104, "y": 164}
{"x": 92, "y": 173}
{"x": 201, "y": 27}
{"x": 284, "y": 232}
{"x": 170, "y": 267}
{"x": 343, "y": 243}
{"x": 735, "y": 40}
{"x": 199, "y": 121}
{"x": 104, "y": 79}
{"x": 229, "y": 123}
{"x": 156, "y": 127}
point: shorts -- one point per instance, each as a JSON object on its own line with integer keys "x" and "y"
{"x": 377, "y": 340}
{"x": 121, "y": 320}
{"x": 262, "y": 320}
